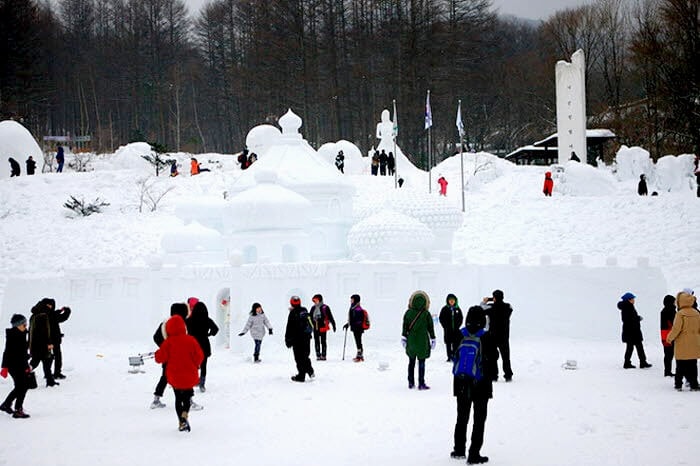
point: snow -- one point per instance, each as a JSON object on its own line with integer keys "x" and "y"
{"x": 363, "y": 413}
{"x": 17, "y": 142}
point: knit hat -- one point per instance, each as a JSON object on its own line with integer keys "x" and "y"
{"x": 627, "y": 296}
{"x": 192, "y": 301}
{"x": 295, "y": 301}
{"x": 17, "y": 319}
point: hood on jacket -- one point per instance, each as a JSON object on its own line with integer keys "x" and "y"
{"x": 622, "y": 305}
{"x": 49, "y": 303}
{"x": 669, "y": 300}
{"x": 175, "y": 326}
{"x": 475, "y": 320}
{"x": 451, "y": 296}
{"x": 685, "y": 300}
{"x": 419, "y": 300}
{"x": 200, "y": 311}
{"x": 548, "y": 174}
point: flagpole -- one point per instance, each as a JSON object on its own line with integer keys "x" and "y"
{"x": 461, "y": 151}
{"x": 395, "y": 132}
{"x": 430, "y": 167}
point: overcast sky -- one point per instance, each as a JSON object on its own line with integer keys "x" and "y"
{"x": 532, "y": 9}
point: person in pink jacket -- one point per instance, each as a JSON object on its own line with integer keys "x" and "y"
{"x": 443, "y": 185}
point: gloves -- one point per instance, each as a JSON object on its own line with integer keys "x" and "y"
{"x": 403, "y": 341}
{"x": 432, "y": 343}
{"x": 345, "y": 327}
{"x": 3, "y": 372}
{"x": 269, "y": 331}
{"x": 241, "y": 334}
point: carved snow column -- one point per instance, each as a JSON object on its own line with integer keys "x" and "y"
{"x": 571, "y": 107}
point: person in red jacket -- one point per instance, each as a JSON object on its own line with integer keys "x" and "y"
{"x": 443, "y": 185}
{"x": 194, "y": 166}
{"x": 548, "y": 184}
{"x": 182, "y": 355}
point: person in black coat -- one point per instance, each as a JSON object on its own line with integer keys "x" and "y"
{"x": 298, "y": 337}
{"x": 56, "y": 317}
{"x": 323, "y": 320}
{"x": 499, "y": 313}
{"x": 60, "y": 159}
{"x": 340, "y": 162}
{"x": 391, "y": 164}
{"x": 668, "y": 313}
{"x": 31, "y": 165}
{"x": 383, "y": 159}
{"x": 201, "y": 327}
{"x": 642, "y": 186}
{"x": 451, "y": 319}
{"x": 632, "y": 331}
{"x": 14, "y": 167}
{"x": 474, "y": 393}
{"x": 159, "y": 336}
{"x": 14, "y": 362}
{"x": 356, "y": 321}
{"x": 41, "y": 340}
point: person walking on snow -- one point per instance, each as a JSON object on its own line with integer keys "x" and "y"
{"x": 632, "y": 331}
{"x": 548, "y": 184}
{"x": 418, "y": 337}
{"x": 41, "y": 341}
{"x": 60, "y": 158}
{"x": 14, "y": 167}
{"x": 159, "y": 336}
{"x": 257, "y": 322}
{"x": 668, "y": 314}
{"x": 298, "y": 337}
{"x": 451, "y": 318}
{"x": 322, "y": 318}
{"x": 201, "y": 327}
{"x": 356, "y": 319}
{"x": 685, "y": 335}
{"x": 181, "y": 355}
{"x": 15, "y": 363}
{"x": 443, "y": 185}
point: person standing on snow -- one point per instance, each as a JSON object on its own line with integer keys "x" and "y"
{"x": 382, "y": 163}
{"x": 159, "y": 336}
{"x": 201, "y": 327}
{"x": 173, "y": 169}
{"x": 499, "y": 313}
{"x": 41, "y": 341}
{"x": 632, "y": 331}
{"x": 14, "y": 167}
{"x": 56, "y": 317}
{"x": 322, "y": 318}
{"x": 60, "y": 158}
{"x": 668, "y": 314}
{"x": 15, "y": 362}
{"x": 451, "y": 318}
{"x": 685, "y": 335}
{"x": 418, "y": 337}
{"x": 298, "y": 337}
{"x": 257, "y": 322}
{"x": 642, "y": 186}
{"x": 391, "y": 164}
{"x": 31, "y": 165}
{"x": 548, "y": 184}
{"x": 443, "y": 185}
{"x": 181, "y": 355}
{"x": 356, "y": 323}
{"x": 340, "y": 162}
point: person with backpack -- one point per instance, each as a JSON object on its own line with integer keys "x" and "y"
{"x": 451, "y": 319}
{"x": 181, "y": 355}
{"x": 257, "y": 322}
{"x": 298, "y": 337}
{"x": 322, "y": 319}
{"x": 201, "y": 327}
{"x": 668, "y": 314}
{"x": 632, "y": 331}
{"x": 15, "y": 362}
{"x": 499, "y": 313}
{"x": 685, "y": 335}
{"x": 358, "y": 322}
{"x": 418, "y": 337}
{"x": 473, "y": 384}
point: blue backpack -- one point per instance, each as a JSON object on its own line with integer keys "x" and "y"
{"x": 468, "y": 363}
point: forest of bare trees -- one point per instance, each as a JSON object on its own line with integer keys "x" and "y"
{"x": 127, "y": 70}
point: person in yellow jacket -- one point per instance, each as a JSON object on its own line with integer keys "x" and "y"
{"x": 685, "y": 335}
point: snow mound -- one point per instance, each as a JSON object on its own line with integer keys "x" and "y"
{"x": 131, "y": 155}
{"x": 354, "y": 163}
{"x": 674, "y": 174}
{"x": 17, "y": 142}
{"x": 389, "y": 232}
{"x": 192, "y": 238}
{"x": 632, "y": 162}
{"x": 579, "y": 179}
{"x": 479, "y": 168}
{"x": 261, "y": 138}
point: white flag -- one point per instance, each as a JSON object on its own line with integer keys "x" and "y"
{"x": 396, "y": 122}
{"x": 428, "y": 113}
{"x": 460, "y": 125}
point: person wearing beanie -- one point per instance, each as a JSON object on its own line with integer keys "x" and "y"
{"x": 15, "y": 363}
{"x": 632, "y": 331}
{"x": 499, "y": 313}
{"x": 41, "y": 340}
{"x": 257, "y": 322}
{"x": 451, "y": 320}
{"x": 418, "y": 337}
{"x": 668, "y": 314}
{"x": 357, "y": 322}
{"x": 473, "y": 392}
{"x": 322, "y": 318}
{"x": 181, "y": 355}
{"x": 685, "y": 336}
{"x": 298, "y": 337}
{"x": 201, "y": 327}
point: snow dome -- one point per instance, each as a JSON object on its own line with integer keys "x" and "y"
{"x": 17, "y": 142}
{"x": 192, "y": 243}
{"x": 580, "y": 179}
{"x": 261, "y": 138}
{"x": 354, "y": 163}
{"x": 392, "y": 233}
{"x": 443, "y": 218}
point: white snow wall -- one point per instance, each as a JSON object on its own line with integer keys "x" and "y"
{"x": 549, "y": 300}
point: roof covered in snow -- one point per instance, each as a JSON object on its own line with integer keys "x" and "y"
{"x": 553, "y": 140}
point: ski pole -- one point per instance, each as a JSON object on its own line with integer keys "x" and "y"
{"x": 345, "y": 340}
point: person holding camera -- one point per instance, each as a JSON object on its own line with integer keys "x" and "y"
{"x": 41, "y": 340}
{"x": 499, "y": 312}
{"x": 56, "y": 317}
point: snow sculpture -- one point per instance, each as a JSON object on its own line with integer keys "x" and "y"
{"x": 301, "y": 169}
{"x": 571, "y": 107}
{"x": 354, "y": 163}
{"x": 192, "y": 244}
{"x": 632, "y": 162}
{"x": 675, "y": 173}
{"x": 17, "y": 142}
{"x": 205, "y": 210}
{"x": 385, "y": 134}
{"x": 261, "y": 138}
{"x": 269, "y": 221}
{"x": 390, "y": 233}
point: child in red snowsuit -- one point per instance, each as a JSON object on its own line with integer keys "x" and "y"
{"x": 443, "y": 186}
{"x": 548, "y": 184}
{"x": 182, "y": 355}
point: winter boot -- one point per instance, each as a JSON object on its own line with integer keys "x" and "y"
{"x": 58, "y": 375}
{"x": 157, "y": 403}
{"x": 184, "y": 424}
{"x": 458, "y": 455}
{"x": 644, "y": 365}
{"x": 298, "y": 378}
{"x": 51, "y": 383}
{"x": 6, "y": 408}
{"x": 195, "y": 407}
{"x": 256, "y": 358}
{"x": 20, "y": 414}
{"x": 629, "y": 365}
{"x": 359, "y": 357}
{"x": 202, "y": 381}
{"x": 423, "y": 387}
{"x": 475, "y": 458}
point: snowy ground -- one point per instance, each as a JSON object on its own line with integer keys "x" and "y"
{"x": 353, "y": 414}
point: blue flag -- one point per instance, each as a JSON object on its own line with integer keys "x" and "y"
{"x": 428, "y": 113}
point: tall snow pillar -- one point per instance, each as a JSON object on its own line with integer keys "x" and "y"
{"x": 571, "y": 107}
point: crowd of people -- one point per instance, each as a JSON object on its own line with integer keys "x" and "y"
{"x": 383, "y": 164}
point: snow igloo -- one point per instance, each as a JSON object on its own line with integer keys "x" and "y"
{"x": 17, "y": 142}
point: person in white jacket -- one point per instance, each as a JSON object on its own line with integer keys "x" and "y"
{"x": 257, "y": 322}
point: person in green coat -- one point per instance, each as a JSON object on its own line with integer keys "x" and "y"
{"x": 418, "y": 336}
